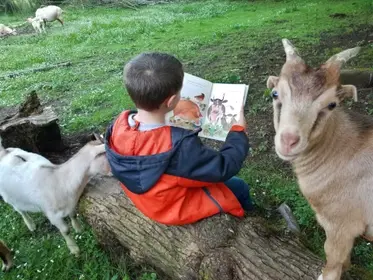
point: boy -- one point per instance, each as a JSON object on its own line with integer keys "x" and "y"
{"x": 167, "y": 172}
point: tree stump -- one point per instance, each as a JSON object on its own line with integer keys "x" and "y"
{"x": 31, "y": 127}
{"x": 221, "y": 247}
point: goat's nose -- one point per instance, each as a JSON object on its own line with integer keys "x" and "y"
{"x": 289, "y": 140}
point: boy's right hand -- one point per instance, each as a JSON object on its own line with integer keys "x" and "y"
{"x": 242, "y": 120}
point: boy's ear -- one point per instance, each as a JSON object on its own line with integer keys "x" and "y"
{"x": 171, "y": 101}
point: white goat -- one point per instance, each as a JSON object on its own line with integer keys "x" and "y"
{"x": 37, "y": 24}
{"x": 330, "y": 148}
{"x": 50, "y": 13}
{"x": 31, "y": 183}
{"x": 5, "y": 31}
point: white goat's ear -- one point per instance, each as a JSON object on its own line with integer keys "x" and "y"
{"x": 99, "y": 137}
{"x": 347, "y": 91}
{"x": 272, "y": 81}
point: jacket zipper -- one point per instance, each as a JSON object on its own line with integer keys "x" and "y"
{"x": 207, "y": 192}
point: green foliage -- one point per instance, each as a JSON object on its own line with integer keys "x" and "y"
{"x": 11, "y": 6}
{"x": 112, "y": 3}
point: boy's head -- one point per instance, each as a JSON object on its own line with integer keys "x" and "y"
{"x": 153, "y": 79}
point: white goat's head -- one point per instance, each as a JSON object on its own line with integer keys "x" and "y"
{"x": 304, "y": 99}
{"x": 100, "y": 164}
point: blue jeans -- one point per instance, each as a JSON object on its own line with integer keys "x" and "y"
{"x": 242, "y": 191}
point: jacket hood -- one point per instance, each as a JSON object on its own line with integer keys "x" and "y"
{"x": 140, "y": 173}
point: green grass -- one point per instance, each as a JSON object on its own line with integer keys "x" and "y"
{"x": 223, "y": 41}
{"x": 43, "y": 254}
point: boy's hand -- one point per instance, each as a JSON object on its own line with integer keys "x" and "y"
{"x": 242, "y": 120}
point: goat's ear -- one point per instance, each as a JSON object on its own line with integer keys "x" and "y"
{"x": 272, "y": 81}
{"x": 347, "y": 91}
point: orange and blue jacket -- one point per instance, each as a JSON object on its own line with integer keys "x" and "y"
{"x": 170, "y": 176}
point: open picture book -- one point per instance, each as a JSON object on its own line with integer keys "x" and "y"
{"x": 214, "y": 107}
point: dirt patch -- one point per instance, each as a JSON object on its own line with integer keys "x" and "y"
{"x": 348, "y": 38}
{"x": 338, "y": 15}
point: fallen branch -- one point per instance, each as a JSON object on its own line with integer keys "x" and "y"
{"x": 39, "y": 69}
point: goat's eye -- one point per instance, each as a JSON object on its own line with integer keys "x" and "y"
{"x": 332, "y": 105}
{"x": 274, "y": 94}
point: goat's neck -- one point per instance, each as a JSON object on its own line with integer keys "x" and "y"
{"x": 329, "y": 149}
{"x": 74, "y": 172}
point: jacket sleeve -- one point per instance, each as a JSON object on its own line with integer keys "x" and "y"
{"x": 195, "y": 161}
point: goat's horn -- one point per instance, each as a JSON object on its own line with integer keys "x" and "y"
{"x": 291, "y": 51}
{"x": 340, "y": 58}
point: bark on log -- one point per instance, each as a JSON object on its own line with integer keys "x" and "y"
{"x": 31, "y": 127}
{"x": 221, "y": 247}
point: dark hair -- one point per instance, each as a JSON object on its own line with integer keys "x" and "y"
{"x": 150, "y": 78}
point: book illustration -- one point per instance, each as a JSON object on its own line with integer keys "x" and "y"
{"x": 200, "y": 99}
{"x": 230, "y": 117}
{"x": 190, "y": 111}
{"x": 213, "y": 107}
{"x": 223, "y": 110}
{"x": 216, "y": 110}
{"x": 187, "y": 113}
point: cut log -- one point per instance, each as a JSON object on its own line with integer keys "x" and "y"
{"x": 221, "y": 247}
{"x": 31, "y": 127}
{"x": 359, "y": 78}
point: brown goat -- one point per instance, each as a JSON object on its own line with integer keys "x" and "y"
{"x": 5, "y": 256}
{"x": 330, "y": 148}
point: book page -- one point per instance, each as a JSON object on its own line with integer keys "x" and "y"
{"x": 223, "y": 110}
{"x": 191, "y": 109}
